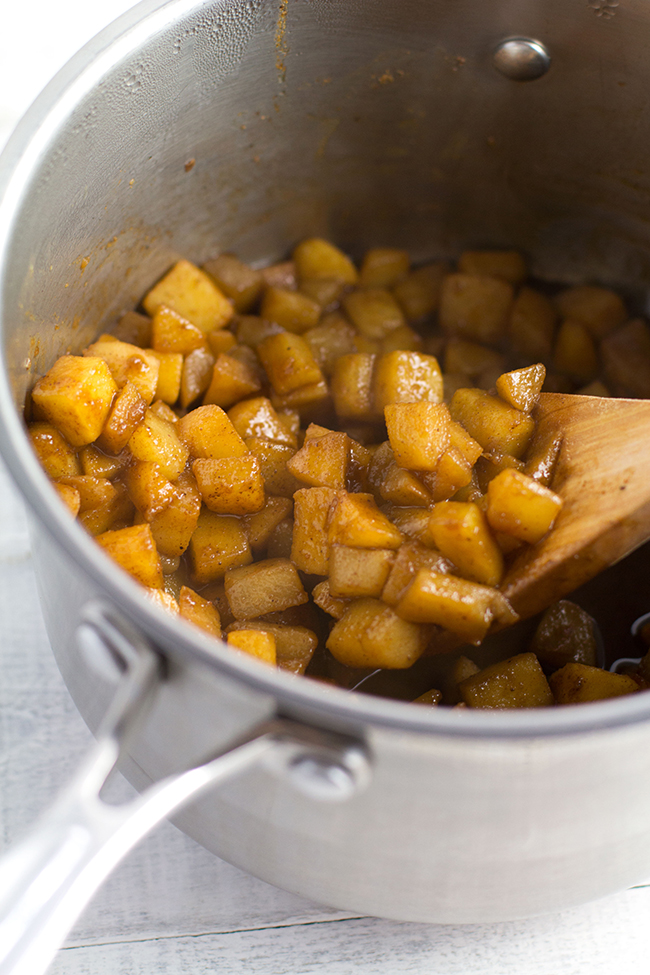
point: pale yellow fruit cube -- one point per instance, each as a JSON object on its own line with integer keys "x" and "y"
{"x": 508, "y": 265}
{"x": 521, "y": 387}
{"x": 495, "y": 425}
{"x": 418, "y": 433}
{"x": 518, "y": 682}
{"x": 192, "y": 294}
{"x": 208, "y": 432}
{"x": 129, "y": 364}
{"x": 218, "y": 543}
{"x": 230, "y": 485}
{"x": 521, "y": 507}
{"x": 355, "y": 520}
{"x": 374, "y": 312}
{"x": 317, "y": 258}
{"x": 461, "y": 533}
{"x": 75, "y": 396}
{"x": 475, "y": 306}
{"x": 357, "y": 572}
{"x": 383, "y": 267}
{"x": 370, "y": 634}
{"x": 135, "y": 551}
{"x": 407, "y": 377}
{"x": 256, "y": 643}
{"x": 456, "y": 604}
{"x": 157, "y": 440}
{"x": 269, "y": 586}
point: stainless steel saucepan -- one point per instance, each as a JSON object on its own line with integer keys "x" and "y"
{"x": 418, "y": 123}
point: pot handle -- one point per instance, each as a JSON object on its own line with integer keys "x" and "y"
{"x": 48, "y": 878}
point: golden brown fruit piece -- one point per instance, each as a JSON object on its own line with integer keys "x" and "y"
{"x": 257, "y": 643}
{"x": 626, "y": 359}
{"x": 75, "y": 396}
{"x": 575, "y": 352}
{"x": 295, "y": 645}
{"x": 291, "y": 310}
{"x": 257, "y": 418}
{"x": 383, "y": 267}
{"x": 507, "y": 265}
{"x": 218, "y": 543}
{"x": 532, "y": 324}
{"x": 126, "y": 413}
{"x": 288, "y": 362}
{"x": 355, "y": 520}
{"x": 418, "y": 433}
{"x": 409, "y": 559}
{"x": 231, "y": 381}
{"x": 576, "y": 683}
{"x": 374, "y": 312}
{"x": 170, "y": 373}
{"x": 356, "y": 572}
{"x": 521, "y": 506}
{"x": 518, "y": 682}
{"x": 601, "y": 310}
{"x": 310, "y": 546}
{"x": 230, "y": 485}
{"x": 406, "y": 377}
{"x": 475, "y": 307}
{"x": 317, "y": 258}
{"x": 135, "y": 551}
{"x": 199, "y": 611}
{"x": 192, "y": 294}
{"x": 458, "y": 605}
{"x": 157, "y": 440}
{"x": 491, "y": 422}
{"x": 370, "y": 634}
{"x": 322, "y": 461}
{"x": 566, "y": 633}
{"x": 352, "y": 386}
{"x": 70, "y": 497}
{"x": 236, "y": 280}
{"x": 461, "y": 533}
{"x": 260, "y": 526}
{"x": 521, "y": 388}
{"x": 208, "y": 432}
{"x": 128, "y": 364}
{"x": 56, "y": 455}
{"x": 265, "y": 587}
{"x": 419, "y": 293}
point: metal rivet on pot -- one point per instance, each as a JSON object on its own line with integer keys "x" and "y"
{"x": 322, "y": 779}
{"x": 521, "y": 59}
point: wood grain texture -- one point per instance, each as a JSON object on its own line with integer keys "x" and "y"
{"x": 603, "y": 478}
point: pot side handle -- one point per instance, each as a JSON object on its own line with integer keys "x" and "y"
{"x": 48, "y": 878}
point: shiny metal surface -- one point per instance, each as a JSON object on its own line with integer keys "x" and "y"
{"x": 521, "y": 59}
{"x": 371, "y": 123}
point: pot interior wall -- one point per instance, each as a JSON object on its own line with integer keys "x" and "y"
{"x": 246, "y": 125}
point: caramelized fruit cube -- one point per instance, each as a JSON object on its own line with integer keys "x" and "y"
{"x": 475, "y": 306}
{"x": 370, "y": 634}
{"x": 491, "y": 422}
{"x": 521, "y": 507}
{"x": 135, "y": 551}
{"x": 54, "y": 452}
{"x": 461, "y": 533}
{"x": 208, "y": 432}
{"x": 507, "y": 265}
{"x": 230, "y": 485}
{"x": 518, "y": 682}
{"x": 265, "y": 587}
{"x": 218, "y": 543}
{"x": 257, "y": 643}
{"x": 576, "y": 683}
{"x": 418, "y": 433}
{"x": 317, "y": 258}
{"x": 199, "y": 611}
{"x": 75, "y": 396}
{"x": 192, "y": 294}
{"x": 291, "y": 310}
{"x": 521, "y": 388}
{"x": 382, "y": 267}
{"x": 373, "y": 311}
{"x": 355, "y": 572}
{"x": 236, "y": 280}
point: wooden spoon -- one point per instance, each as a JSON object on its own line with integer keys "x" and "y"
{"x": 603, "y": 477}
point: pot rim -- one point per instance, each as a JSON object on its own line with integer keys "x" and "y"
{"x": 23, "y": 153}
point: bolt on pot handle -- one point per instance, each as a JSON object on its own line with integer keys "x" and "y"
{"x": 47, "y": 880}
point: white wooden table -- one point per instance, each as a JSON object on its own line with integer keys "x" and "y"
{"x": 172, "y": 908}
